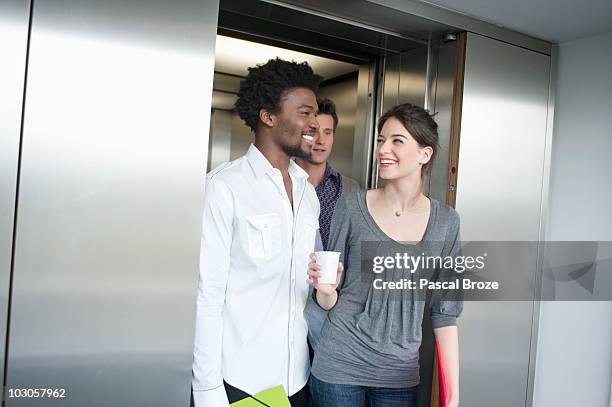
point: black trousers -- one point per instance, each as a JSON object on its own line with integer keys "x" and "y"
{"x": 299, "y": 399}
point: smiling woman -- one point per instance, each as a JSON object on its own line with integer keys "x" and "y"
{"x": 410, "y": 132}
{"x": 359, "y": 353}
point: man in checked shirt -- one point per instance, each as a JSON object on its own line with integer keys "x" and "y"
{"x": 329, "y": 185}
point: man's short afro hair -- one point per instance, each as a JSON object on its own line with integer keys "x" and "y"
{"x": 266, "y": 84}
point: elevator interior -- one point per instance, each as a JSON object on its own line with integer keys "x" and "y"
{"x": 365, "y": 71}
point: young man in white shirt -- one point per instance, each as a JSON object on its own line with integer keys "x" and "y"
{"x": 260, "y": 222}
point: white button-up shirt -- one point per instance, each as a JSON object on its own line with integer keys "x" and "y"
{"x": 250, "y": 326}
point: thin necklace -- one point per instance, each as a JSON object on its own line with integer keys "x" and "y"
{"x": 400, "y": 212}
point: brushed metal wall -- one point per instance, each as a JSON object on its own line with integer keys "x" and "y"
{"x": 344, "y": 94}
{"x": 14, "y": 20}
{"x": 220, "y": 137}
{"x": 363, "y": 145}
{"x": 499, "y": 195}
{"x": 443, "y": 105}
{"x": 404, "y": 79}
{"x": 108, "y": 229}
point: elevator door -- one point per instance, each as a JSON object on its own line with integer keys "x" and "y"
{"x": 499, "y": 198}
{"x": 109, "y": 207}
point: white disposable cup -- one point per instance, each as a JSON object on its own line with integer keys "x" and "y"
{"x": 329, "y": 266}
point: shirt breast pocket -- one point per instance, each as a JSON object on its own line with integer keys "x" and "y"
{"x": 263, "y": 235}
{"x": 310, "y": 226}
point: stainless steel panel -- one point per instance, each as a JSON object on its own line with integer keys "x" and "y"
{"x": 443, "y": 105}
{"x": 403, "y": 80}
{"x": 242, "y": 137}
{"x": 108, "y": 230}
{"x": 223, "y": 100}
{"x": 503, "y": 135}
{"x": 391, "y": 82}
{"x": 14, "y": 21}
{"x": 535, "y": 325}
{"x": 364, "y": 123}
{"x": 433, "y": 50}
{"x": 344, "y": 94}
{"x": 226, "y": 83}
{"x": 499, "y": 196}
{"x": 413, "y": 76}
{"x": 220, "y": 138}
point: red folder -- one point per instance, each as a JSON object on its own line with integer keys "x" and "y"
{"x": 442, "y": 383}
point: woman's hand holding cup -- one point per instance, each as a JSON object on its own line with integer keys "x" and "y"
{"x": 325, "y": 271}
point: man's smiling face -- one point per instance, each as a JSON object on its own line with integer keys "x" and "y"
{"x": 324, "y": 140}
{"x": 296, "y": 118}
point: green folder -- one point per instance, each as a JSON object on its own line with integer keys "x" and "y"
{"x": 274, "y": 397}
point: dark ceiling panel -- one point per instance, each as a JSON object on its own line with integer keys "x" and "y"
{"x": 285, "y": 27}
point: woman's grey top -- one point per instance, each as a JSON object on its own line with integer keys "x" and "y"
{"x": 372, "y": 336}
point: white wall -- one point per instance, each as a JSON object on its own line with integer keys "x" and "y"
{"x": 574, "y": 361}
